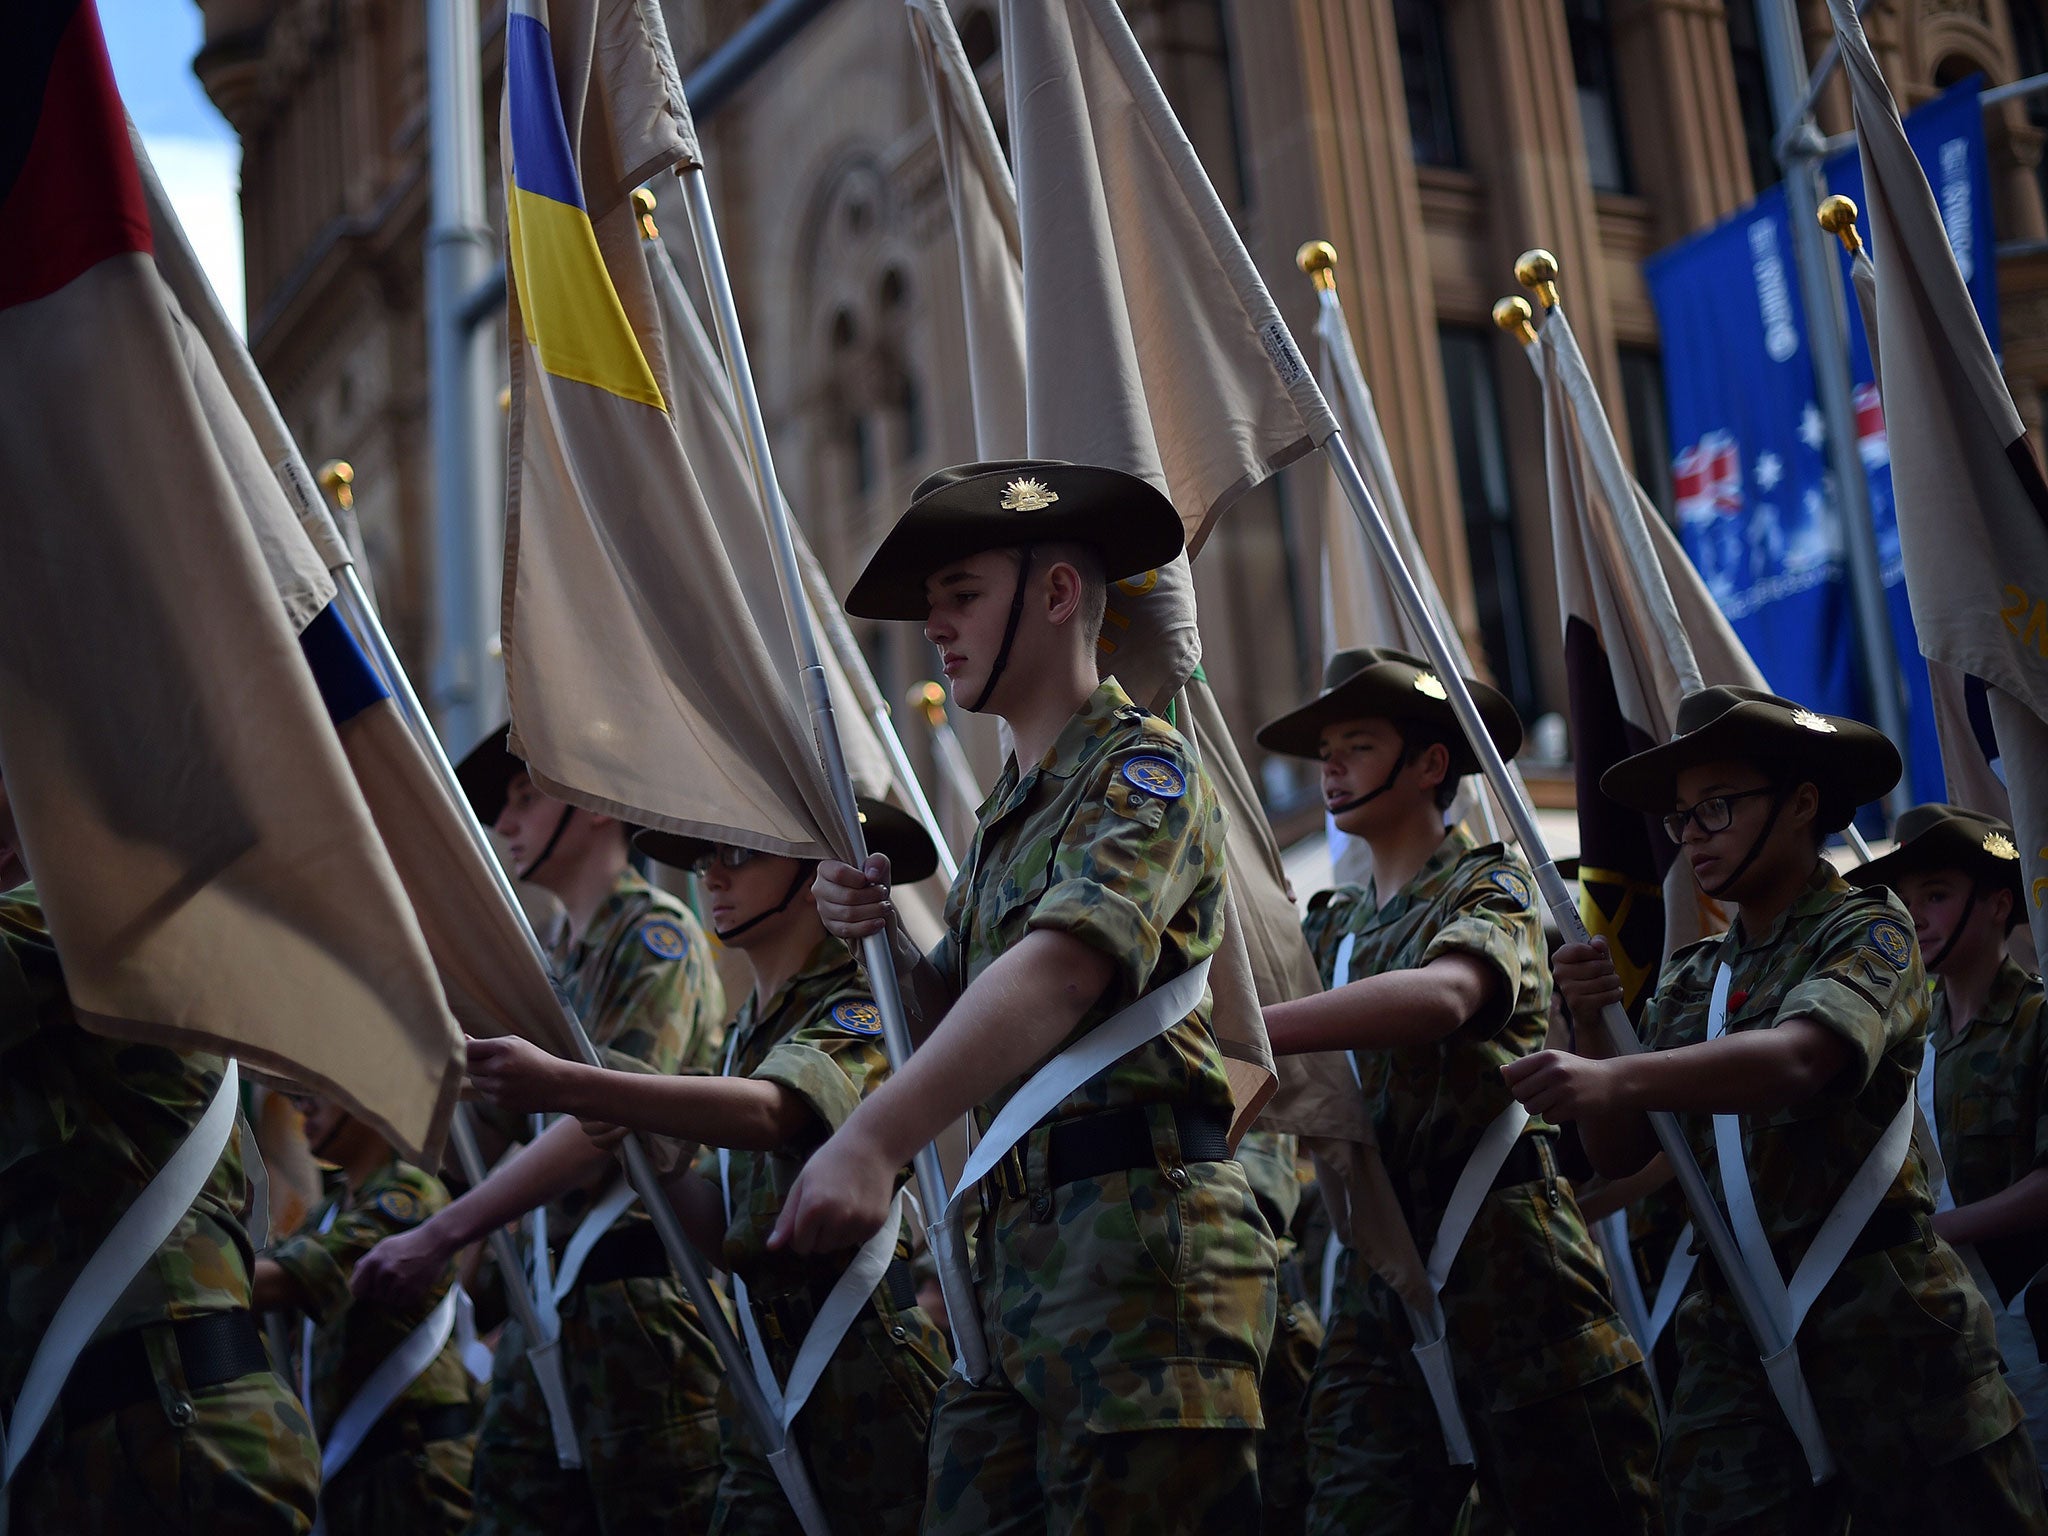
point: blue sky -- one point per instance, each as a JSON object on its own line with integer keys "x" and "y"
{"x": 196, "y": 153}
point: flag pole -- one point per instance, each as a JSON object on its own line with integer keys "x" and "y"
{"x": 258, "y": 406}
{"x": 948, "y": 1238}
{"x": 1557, "y": 345}
{"x": 823, "y": 603}
{"x": 1707, "y": 1218}
{"x": 1318, "y": 262}
{"x": 928, "y": 698}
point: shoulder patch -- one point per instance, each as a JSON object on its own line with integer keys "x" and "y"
{"x": 1155, "y": 776}
{"x": 401, "y": 1205}
{"x": 1513, "y": 884}
{"x": 664, "y": 939}
{"x": 1889, "y": 938}
{"x": 858, "y": 1016}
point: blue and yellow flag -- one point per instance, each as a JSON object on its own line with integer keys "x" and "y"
{"x": 571, "y": 311}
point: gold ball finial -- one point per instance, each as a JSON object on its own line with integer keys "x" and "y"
{"x": 1537, "y": 270}
{"x": 1514, "y": 316}
{"x": 337, "y": 478}
{"x": 1318, "y": 261}
{"x": 1837, "y": 216}
{"x": 930, "y": 699}
{"x": 505, "y": 400}
{"x": 643, "y": 207}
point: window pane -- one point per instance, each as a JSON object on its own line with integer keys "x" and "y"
{"x": 1752, "y": 91}
{"x": 1426, "y": 79}
{"x": 1599, "y": 93}
{"x": 1489, "y": 514}
{"x": 1649, "y": 434}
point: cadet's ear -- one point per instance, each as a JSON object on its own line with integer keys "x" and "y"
{"x": 1432, "y": 763}
{"x": 1063, "y": 591}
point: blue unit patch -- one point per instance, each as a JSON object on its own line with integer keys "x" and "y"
{"x": 401, "y": 1205}
{"x": 858, "y": 1018}
{"x": 1512, "y": 883}
{"x": 1890, "y": 939}
{"x": 1155, "y": 776}
{"x": 664, "y": 939}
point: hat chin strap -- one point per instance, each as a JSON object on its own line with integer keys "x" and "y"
{"x": 1371, "y": 795}
{"x": 561, "y": 826}
{"x": 1955, "y": 934}
{"x": 1755, "y": 848}
{"x": 1002, "y": 662}
{"x": 803, "y": 872}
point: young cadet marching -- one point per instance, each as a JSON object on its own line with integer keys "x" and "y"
{"x": 804, "y": 1050}
{"x": 385, "y": 1387}
{"x": 1437, "y": 979}
{"x": 1125, "y": 1276}
{"x": 172, "y": 1407}
{"x": 642, "y": 1377}
{"x": 1983, "y": 1087}
{"x": 1789, "y": 1049}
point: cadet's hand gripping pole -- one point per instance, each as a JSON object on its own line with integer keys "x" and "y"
{"x": 253, "y": 396}
{"x": 1706, "y": 1211}
{"x": 947, "y": 1238}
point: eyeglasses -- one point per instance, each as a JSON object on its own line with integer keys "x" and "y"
{"x": 1711, "y": 814}
{"x": 725, "y": 854}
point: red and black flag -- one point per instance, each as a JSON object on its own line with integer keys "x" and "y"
{"x": 205, "y": 861}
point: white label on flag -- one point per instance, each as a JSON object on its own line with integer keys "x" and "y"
{"x": 299, "y": 488}
{"x": 1280, "y": 348}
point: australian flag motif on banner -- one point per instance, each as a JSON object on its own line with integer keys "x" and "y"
{"x": 1752, "y": 491}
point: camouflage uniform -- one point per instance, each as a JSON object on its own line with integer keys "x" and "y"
{"x": 642, "y": 1377}
{"x": 1273, "y": 1170}
{"x": 85, "y": 1123}
{"x": 1127, "y": 1315}
{"x": 862, "y": 1430}
{"x": 1553, "y": 1388}
{"x": 400, "y": 1481}
{"x": 1898, "y": 1350}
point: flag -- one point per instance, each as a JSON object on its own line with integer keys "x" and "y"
{"x": 1640, "y": 631}
{"x": 1151, "y": 344}
{"x": 493, "y": 981}
{"x": 1972, "y": 506}
{"x": 211, "y": 875}
{"x": 648, "y": 655}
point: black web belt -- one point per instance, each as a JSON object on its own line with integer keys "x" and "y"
{"x": 398, "y": 1431}
{"x": 1890, "y": 1226}
{"x": 624, "y": 1253}
{"x": 1114, "y": 1141}
{"x": 114, "y": 1373}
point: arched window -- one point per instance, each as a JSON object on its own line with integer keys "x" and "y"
{"x": 1426, "y": 81}
{"x": 1599, "y": 86}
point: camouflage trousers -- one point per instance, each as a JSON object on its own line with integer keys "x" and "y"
{"x": 419, "y": 1491}
{"x": 643, "y": 1387}
{"x": 1902, "y": 1360}
{"x": 1284, "y": 1484}
{"x": 862, "y": 1433}
{"x": 237, "y": 1458}
{"x": 1127, "y": 1319}
{"x": 1554, "y": 1393}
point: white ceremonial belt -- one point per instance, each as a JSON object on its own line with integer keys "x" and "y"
{"x": 1830, "y": 1246}
{"x": 1432, "y": 1349}
{"x": 597, "y": 1221}
{"x": 1145, "y": 1020}
{"x": 142, "y": 1229}
{"x": 384, "y": 1386}
{"x": 1677, "y": 1271}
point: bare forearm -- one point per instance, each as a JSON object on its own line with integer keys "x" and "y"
{"x": 1757, "y": 1072}
{"x": 743, "y": 1113}
{"x": 271, "y": 1287}
{"x": 560, "y": 1160}
{"x": 1398, "y": 1008}
{"x": 1010, "y": 1019}
{"x": 2018, "y": 1208}
{"x": 701, "y": 1209}
{"x": 1617, "y": 1194}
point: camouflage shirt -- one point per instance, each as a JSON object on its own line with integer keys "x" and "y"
{"x": 1845, "y": 959}
{"x": 352, "y": 1338}
{"x": 1116, "y": 838}
{"x": 85, "y": 1123}
{"x": 1430, "y": 1103}
{"x": 642, "y": 981}
{"x": 820, "y": 1038}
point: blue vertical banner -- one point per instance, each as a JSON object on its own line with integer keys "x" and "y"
{"x": 1754, "y": 497}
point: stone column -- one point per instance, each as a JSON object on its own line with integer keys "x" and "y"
{"x": 1684, "y": 125}
{"x": 1357, "y": 120}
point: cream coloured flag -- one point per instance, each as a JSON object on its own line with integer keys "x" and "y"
{"x": 1972, "y": 504}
